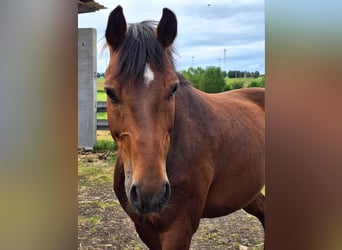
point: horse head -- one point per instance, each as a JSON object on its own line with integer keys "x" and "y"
{"x": 141, "y": 83}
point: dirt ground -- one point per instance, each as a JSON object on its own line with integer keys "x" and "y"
{"x": 103, "y": 224}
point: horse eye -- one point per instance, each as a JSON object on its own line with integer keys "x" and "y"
{"x": 173, "y": 89}
{"x": 112, "y": 95}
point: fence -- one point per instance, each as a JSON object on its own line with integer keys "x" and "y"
{"x": 102, "y": 124}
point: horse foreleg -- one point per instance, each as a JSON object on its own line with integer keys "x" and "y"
{"x": 149, "y": 236}
{"x": 257, "y": 208}
{"x": 178, "y": 236}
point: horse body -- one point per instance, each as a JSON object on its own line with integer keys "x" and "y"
{"x": 213, "y": 165}
{"x": 218, "y": 139}
{"x": 181, "y": 157}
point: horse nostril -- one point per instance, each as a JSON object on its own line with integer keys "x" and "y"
{"x": 134, "y": 196}
{"x": 167, "y": 191}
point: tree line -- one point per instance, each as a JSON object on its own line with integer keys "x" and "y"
{"x": 213, "y": 79}
{"x": 98, "y": 74}
{"x": 241, "y": 74}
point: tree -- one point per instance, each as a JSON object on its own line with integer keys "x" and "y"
{"x": 212, "y": 80}
{"x": 194, "y": 75}
{"x": 240, "y": 74}
{"x": 231, "y": 74}
{"x": 256, "y": 74}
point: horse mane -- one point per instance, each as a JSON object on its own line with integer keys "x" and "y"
{"x": 139, "y": 47}
{"x": 183, "y": 80}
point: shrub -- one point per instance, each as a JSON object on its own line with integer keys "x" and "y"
{"x": 257, "y": 83}
{"x": 237, "y": 84}
{"x": 253, "y": 84}
{"x": 227, "y": 87}
{"x": 262, "y": 82}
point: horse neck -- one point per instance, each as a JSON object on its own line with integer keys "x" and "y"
{"x": 192, "y": 106}
{"x": 191, "y": 125}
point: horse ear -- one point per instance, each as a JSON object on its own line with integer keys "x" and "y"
{"x": 116, "y": 28}
{"x": 167, "y": 28}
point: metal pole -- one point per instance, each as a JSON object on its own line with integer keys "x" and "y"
{"x": 224, "y": 59}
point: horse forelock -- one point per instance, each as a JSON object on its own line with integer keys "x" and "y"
{"x": 140, "y": 47}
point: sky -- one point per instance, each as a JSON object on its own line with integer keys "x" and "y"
{"x": 224, "y": 33}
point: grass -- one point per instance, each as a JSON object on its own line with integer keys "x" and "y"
{"x": 105, "y": 145}
{"x": 101, "y": 96}
{"x": 100, "y": 83}
{"x": 104, "y": 141}
{"x": 211, "y": 236}
{"x": 92, "y": 220}
{"x": 93, "y": 175}
{"x": 101, "y": 115}
{"x": 246, "y": 81}
{"x": 103, "y": 135}
{"x": 99, "y": 204}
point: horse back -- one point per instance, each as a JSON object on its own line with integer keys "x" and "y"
{"x": 255, "y": 95}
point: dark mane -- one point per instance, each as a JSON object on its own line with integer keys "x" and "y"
{"x": 139, "y": 47}
{"x": 183, "y": 80}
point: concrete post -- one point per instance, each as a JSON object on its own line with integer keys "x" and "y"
{"x": 87, "y": 98}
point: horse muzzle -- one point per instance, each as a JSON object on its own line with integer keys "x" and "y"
{"x": 148, "y": 199}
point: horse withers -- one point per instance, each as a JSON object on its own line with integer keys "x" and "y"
{"x": 182, "y": 154}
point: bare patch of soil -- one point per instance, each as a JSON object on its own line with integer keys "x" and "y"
{"x": 102, "y": 223}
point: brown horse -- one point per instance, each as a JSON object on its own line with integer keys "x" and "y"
{"x": 182, "y": 154}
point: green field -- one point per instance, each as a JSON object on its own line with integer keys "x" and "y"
{"x": 246, "y": 81}
{"x": 101, "y": 115}
{"x": 101, "y": 96}
{"x": 100, "y": 83}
